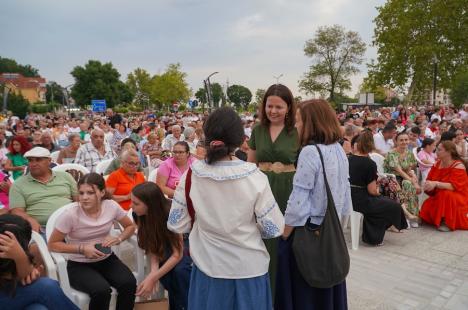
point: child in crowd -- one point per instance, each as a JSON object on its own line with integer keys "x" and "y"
{"x": 170, "y": 264}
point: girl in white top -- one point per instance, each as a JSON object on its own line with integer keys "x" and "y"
{"x": 83, "y": 231}
{"x": 234, "y": 208}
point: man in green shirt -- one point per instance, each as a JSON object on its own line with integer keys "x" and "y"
{"x": 37, "y": 195}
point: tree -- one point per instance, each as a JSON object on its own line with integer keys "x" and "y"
{"x": 54, "y": 93}
{"x": 17, "y": 104}
{"x": 11, "y": 66}
{"x": 239, "y": 95}
{"x": 412, "y": 35}
{"x": 216, "y": 92}
{"x": 459, "y": 90}
{"x": 139, "y": 83}
{"x": 170, "y": 87}
{"x": 335, "y": 54}
{"x": 259, "y": 94}
{"x": 99, "y": 81}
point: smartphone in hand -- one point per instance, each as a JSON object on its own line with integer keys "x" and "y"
{"x": 102, "y": 249}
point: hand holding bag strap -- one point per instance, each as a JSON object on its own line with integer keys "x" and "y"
{"x": 188, "y": 186}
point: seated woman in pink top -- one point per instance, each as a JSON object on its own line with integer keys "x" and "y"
{"x": 4, "y": 190}
{"x": 170, "y": 171}
{"x": 83, "y": 232}
{"x": 427, "y": 156}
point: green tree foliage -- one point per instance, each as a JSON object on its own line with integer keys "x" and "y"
{"x": 17, "y": 104}
{"x": 335, "y": 55}
{"x": 54, "y": 93}
{"x": 216, "y": 91}
{"x": 259, "y": 94}
{"x": 10, "y": 65}
{"x": 170, "y": 86}
{"x": 410, "y": 35}
{"x": 459, "y": 90}
{"x": 139, "y": 83}
{"x": 99, "y": 81}
{"x": 239, "y": 95}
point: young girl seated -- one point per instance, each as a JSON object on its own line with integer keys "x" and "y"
{"x": 169, "y": 263}
{"x": 21, "y": 286}
{"x": 83, "y": 231}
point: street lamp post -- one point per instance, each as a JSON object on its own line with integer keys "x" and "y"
{"x": 209, "y": 95}
{"x": 434, "y": 82}
{"x": 278, "y": 77}
{"x": 6, "y": 91}
{"x": 65, "y": 95}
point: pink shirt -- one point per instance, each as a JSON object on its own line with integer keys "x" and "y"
{"x": 426, "y": 156}
{"x": 79, "y": 228}
{"x": 169, "y": 169}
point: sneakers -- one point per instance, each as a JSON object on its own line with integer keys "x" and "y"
{"x": 443, "y": 228}
{"x": 414, "y": 224}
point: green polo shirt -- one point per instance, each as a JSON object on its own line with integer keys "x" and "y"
{"x": 41, "y": 200}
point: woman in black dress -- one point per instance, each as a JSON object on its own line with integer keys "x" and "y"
{"x": 380, "y": 213}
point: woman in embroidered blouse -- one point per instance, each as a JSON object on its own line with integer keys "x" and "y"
{"x": 230, "y": 269}
{"x": 316, "y": 123}
{"x": 401, "y": 162}
{"x": 171, "y": 170}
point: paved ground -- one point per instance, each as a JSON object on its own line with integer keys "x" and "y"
{"x": 421, "y": 268}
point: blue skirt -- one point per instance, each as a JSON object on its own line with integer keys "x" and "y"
{"x": 208, "y": 293}
{"x": 294, "y": 293}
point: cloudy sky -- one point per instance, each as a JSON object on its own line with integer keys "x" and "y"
{"x": 247, "y": 41}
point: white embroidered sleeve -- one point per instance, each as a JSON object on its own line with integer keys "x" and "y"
{"x": 179, "y": 220}
{"x": 270, "y": 220}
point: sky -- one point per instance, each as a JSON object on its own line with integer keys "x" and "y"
{"x": 248, "y": 42}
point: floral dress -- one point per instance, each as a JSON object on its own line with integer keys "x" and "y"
{"x": 148, "y": 147}
{"x": 407, "y": 195}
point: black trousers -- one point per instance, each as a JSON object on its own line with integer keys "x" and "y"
{"x": 96, "y": 279}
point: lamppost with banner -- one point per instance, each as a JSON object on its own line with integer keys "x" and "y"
{"x": 66, "y": 96}
{"x": 278, "y": 77}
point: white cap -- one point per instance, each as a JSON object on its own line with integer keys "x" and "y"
{"x": 38, "y": 152}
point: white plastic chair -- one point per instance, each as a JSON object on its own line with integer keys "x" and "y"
{"x": 102, "y": 166}
{"x": 379, "y": 161}
{"x": 49, "y": 264}
{"x": 72, "y": 167}
{"x": 54, "y": 156}
{"x": 152, "y": 175}
{"x": 79, "y": 298}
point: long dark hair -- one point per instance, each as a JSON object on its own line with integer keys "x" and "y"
{"x": 153, "y": 235}
{"x": 284, "y": 93}
{"x": 223, "y": 134}
{"x": 22, "y": 231}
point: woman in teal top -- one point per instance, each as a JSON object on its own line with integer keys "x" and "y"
{"x": 16, "y": 162}
{"x": 273, "y": 146}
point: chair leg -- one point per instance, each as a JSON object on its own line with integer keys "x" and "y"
{"x": 355, "y": 229}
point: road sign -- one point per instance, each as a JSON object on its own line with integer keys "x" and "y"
{"x": 366, "y": 98}
{"x": 98, "y": 105}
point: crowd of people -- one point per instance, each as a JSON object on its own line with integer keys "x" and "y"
{"x": 218, "y": 221}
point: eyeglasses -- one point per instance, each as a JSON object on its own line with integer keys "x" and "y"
{"x": 133, "y": 163}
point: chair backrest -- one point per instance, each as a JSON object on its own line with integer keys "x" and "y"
{"x": 45, "y": 254}
{"x": 53, "y": 218}
{"x": 102, "y": 166}
{"x": 379, "y": 161}
{"x": 54, "y": 156}
{"x": 152, "y": 175}
{"x": 76, "y": 170}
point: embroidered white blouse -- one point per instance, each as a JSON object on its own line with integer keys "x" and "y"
{"x": 234, "y": 210}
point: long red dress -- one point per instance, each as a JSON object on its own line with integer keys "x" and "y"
{"x": 443, "y": 203}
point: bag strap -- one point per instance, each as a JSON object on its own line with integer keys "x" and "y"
{"x": 188, "y": 186}
{"x": 324, "y": 174}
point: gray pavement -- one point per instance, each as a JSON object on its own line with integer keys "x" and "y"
{"x": 421, "y": 268}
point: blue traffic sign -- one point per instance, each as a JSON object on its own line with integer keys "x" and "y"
{"x": 98, "y": 105}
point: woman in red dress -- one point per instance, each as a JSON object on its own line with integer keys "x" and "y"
{"x": 447, "y": 187}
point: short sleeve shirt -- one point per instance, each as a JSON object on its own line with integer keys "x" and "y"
{"x": 124, "y": 184}
{"x": 169, "y": 169}
{"x": 81, "y": 229}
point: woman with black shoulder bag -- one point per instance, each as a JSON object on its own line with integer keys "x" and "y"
{"x": 319, "y": 260}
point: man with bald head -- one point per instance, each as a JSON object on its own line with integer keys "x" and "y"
{"x": 92, "y": 153}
